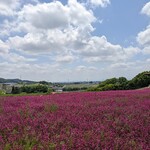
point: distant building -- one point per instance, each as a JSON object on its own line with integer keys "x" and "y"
{"x": 6, "y": 87}
{"x": 57, "y": 89}
{"x": 1, "y": 86}
{"x": 147, "y": 74}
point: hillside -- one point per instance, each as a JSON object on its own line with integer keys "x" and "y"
{"x": 139, "y": 81}
{"x": 2, "y": 80}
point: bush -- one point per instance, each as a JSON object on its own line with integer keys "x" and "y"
{"x": 50, "y": 90}
{"x": 2, "y": 92}
{"x": 35, "y": 89}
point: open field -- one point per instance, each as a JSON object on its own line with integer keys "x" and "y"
{"x": 82, "y": 85}
{"x": 78, "y": 87}
{"x": 116, "y": 120}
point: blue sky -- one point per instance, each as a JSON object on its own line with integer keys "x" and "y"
{"x": 74, "y": 40}
{"x": 122, "y": 21}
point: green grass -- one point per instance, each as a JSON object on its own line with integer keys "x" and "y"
{"x": 24, "y": 94}
{"x": 51, "y": 107}
{"x": 80, "y": 85}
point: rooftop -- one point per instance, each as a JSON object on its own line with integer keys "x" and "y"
{"x": 147, "y": 74}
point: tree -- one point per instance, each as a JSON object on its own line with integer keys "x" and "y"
{"x": 35, "y": 88}
{"x": 16, "y": 90}
{"x": 44, "y": 83}
{"x": 122, "y": 80}
{"x": 140, "y": 80}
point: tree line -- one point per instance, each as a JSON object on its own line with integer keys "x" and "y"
{"x": 139, "y": 81}
{"x": 39, "y": 88}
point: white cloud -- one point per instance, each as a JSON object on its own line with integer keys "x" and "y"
{"x": 39, "y": 43}
{"x": 4, "y": 48}
{"x": 79, "y": 15}
{"x": 144, "y": 37}
{"x": 131, "y": 51}
{"x": 56, "y": 15}
{"x": 148, "y": 60}
{"x": 146, "y": 50}
{"x": 57, "y": 73}
{"x": 8, "y": 7}
{"x": 102, "y": 3}
{"x": 31, "y": 71}
{"x": 14, "y": 58}
{"x": 30, "y": 43}
{"x": 48, "y": 34}
{"x": 9, "y": 56}
{"x": 81, "y": 68}
{"x": 60, "y": 43}
{"x": 99, "y": 49}
{"x": 146, "y": 9}
{"x": 46, "y": 15}
{"x": 65, "y": 58}
{"x": 61, "y": 34}
{"x": 120, "y": 65}
{"x": 85, "y": 68}
{"x": 99, "y": 46}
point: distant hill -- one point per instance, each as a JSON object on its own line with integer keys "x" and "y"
{"x": 2, "y": 80}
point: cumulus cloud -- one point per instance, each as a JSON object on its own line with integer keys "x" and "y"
{"x": 48, "y": 34}
{"x": 79, "y": 15}
{"x": 56, "y": 15}
{"x": 93, "y": 49}
{"x": 34, "y": 43}
{"x": 131, "y": 51}
{"x": 9, "y": 56}
{"x": 144, "y": 37}
{"x": 8, "y": 7}
{"x": 99, "y": 46}
{"x": 14, "y": 58}
{"x": 146, "y": 50}
{"x": 14, "y": 70}
{"x": 85, "y": 68}
{"x": 102, "y": 3}
{"x": 45, "y": 42}
{"x": 65, "y": 58}
{"x": 46, "y": 15}
{"x": 63, "y": 34}
{"x": 148, "y": 60}
{"x": 146, "y": 9}
{"x": 99, "y": 49}
{"x": 4, "y": 48}
{"x": 55, "y": 73}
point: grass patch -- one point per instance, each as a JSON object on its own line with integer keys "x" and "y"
{"x": 51, "y": 107}
{"x": 24, "y": 94}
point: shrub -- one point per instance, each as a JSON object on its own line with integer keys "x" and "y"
{"x": 2, "y": 92}
{"x": 35, "y": 89}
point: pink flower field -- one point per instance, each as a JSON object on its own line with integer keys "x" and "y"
{"x": 113, "y": 120}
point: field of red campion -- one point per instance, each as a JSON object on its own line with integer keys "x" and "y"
{"x": 113, "y": 120}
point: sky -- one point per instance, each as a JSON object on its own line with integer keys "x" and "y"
{"x": 74, "y": 40}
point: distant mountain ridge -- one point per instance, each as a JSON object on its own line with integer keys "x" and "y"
{"x": 2, "y": 80}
